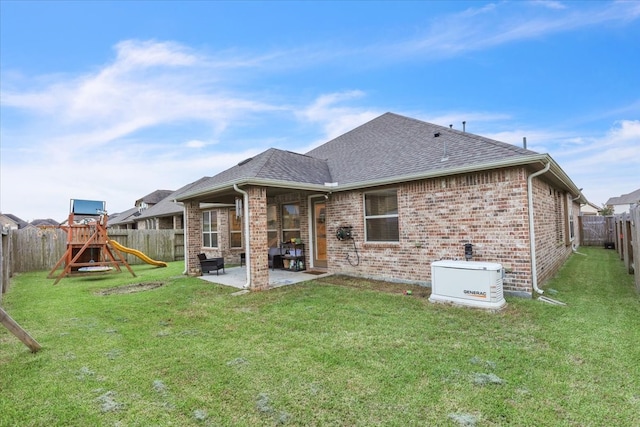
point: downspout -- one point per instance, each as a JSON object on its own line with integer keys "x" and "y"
{"x": 186, "y": 239}
{"x": 245, "y": 215}
{"x": 532, "y": 234}
{"x": 573, "y": 246}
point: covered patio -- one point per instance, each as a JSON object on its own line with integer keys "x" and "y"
{"x": 236, "y": 277}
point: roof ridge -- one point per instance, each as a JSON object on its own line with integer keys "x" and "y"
{"x": 269, "y": 153}
{"x": 492, "y": 141}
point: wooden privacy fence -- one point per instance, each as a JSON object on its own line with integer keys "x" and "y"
{"x": 628, "y": 241}
{"x": 620, "y": 232}
{"x": 34, "y": 249}
{"x": 597, "y": 231}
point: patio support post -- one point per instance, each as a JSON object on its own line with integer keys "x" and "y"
{"x": 193, "y": 236}
{"x": 258, "y": 256}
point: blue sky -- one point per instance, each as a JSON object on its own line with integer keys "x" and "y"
{"x": 113, "y": 100}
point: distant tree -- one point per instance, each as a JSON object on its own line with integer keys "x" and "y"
{"x": 607, "y": 210}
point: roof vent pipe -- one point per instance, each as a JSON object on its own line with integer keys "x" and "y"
{"x": 524, "y": 142}
{"x": 464, "y": 126}
{"x": 450, "y": 126}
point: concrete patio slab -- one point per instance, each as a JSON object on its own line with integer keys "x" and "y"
{"x": 237, "y": 277}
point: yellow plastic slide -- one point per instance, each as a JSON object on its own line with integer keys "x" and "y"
{"x": 139, "y": 254}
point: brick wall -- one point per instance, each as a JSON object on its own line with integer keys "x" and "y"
{"x": 553, "y": 244}
{"x": 436, "y": 218}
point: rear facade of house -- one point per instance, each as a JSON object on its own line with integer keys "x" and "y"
{"x": 409, "y": 193}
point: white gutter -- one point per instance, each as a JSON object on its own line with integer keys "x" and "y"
{"x": 532, "y": 234}
{"x": 247, "y": 246}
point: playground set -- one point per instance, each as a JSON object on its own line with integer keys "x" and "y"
{"x": 89, "y": 249}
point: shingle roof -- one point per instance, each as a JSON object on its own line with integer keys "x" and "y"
{"x": 20, "y": 222}
{"x": 154, "y": 197}
{"x": 167, "y": 206}
{"x": 45, "y": 222}
{"x": 272, "y": 165}
{"x": 125, "y": 217}
{"x": 394, "y": 145}
{"x": 389, "y": 148}
{"x": 625, "y": 199}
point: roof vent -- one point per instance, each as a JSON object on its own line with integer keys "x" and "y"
{"x": 244, "y": 162}
{"x": 464, "y": 126}
{"x": 437, "y": 134}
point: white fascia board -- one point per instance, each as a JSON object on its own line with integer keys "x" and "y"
{"x": 260, "y": 182}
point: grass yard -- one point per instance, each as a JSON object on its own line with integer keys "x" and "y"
{"x": 329, "y": 352}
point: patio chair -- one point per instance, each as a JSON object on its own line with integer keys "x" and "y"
{"x": 207, "y": 265}
{"x": 275, "y": 258}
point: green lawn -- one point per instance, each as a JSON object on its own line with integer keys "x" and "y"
{"x": 331, "y": 352}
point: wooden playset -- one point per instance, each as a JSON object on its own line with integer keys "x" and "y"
{"x": 89, "y": 249}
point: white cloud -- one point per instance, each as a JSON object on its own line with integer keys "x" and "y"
{"x": 334, "y": 118}
{"x": 605, "y": 165}
{"x": 139, "y": 90}
{"x": 149, "y": 53}
{"x": 549, "y": 4}
{"x": 195, "y": 143}
{"x": 497, "y": 24}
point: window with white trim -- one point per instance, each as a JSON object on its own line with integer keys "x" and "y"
{"x": 290, "y": 222}
{"x": 381, "y": 216}
{"x": 210, "y": 229}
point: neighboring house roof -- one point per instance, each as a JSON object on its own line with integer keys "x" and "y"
{"x": 48, "y": 222}
{"x": 14, "y": 219}
{"x": 625, "y": 199}
{"x": 168, "y": 206}
{"x": 155, "y": 197}
{"x": 125, "y": 217}
{"x": 386, "y": 150}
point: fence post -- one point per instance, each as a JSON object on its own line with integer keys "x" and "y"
{"x": 626, "y": 241}
{"x": 619, "y": 241}
{"x": 635, "y": 243}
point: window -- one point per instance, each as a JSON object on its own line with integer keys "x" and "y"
{"x": 272, "y": 226}
{"x": 381, "y": 216}
{"x": 290, "y": 222}
{"x": 210, "y": 229}
{"x": 235, "y": 229}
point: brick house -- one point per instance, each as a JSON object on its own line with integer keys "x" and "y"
{"x": 133, "y": 219}
{"x": 412, "y": 193}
